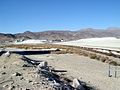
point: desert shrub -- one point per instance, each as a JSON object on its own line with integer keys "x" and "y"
{"x": 98, "y": 57}
{"x": 109, "y": 54}
{"x": 118, "y": 56}
{"x": 114, "y": 63}
{"x": 103, "y": 59}
{"x": 26, "y": 48}
{"x": 80, "y": 53}
{"x": 84, "y": 53}
{"x": 59, "y": 52}
{"x": 108, "y": 60}
{"x": 92, "y": 56}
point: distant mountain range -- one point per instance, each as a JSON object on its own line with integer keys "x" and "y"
{"x": 62, "y": 35}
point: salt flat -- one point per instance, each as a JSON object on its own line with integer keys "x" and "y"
{"x": 91, "y": 71}
{"x": 106, "y": 42}
{"x": 31, "y": 41}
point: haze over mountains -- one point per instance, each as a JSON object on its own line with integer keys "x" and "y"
{"x": 62, "y": 35}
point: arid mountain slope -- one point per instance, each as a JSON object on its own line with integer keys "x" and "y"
{"x": 62, "y": 35}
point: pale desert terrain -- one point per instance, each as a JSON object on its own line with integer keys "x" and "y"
{"x": 90, "y": 71}
{"x": 93, "y": 72}
{"x": 14, "y": 76}
{"x": 105, "y": 42}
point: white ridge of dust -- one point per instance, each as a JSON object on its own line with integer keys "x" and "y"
{"x": 105, "y": 42}
{"x": 31, "y": 41}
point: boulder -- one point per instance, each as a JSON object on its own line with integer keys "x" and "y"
{"x": 42, "y": 64}
{"x": 7, "y": 54}
{"x": 77, "y": 85}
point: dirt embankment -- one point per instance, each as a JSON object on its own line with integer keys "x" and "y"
{"x": 63, "y": 49}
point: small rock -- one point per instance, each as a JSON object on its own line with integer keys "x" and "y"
{"x": 18, "y": 85}
{"x": 43, "y": 83}
{"x": 7, "y": 54}
{"x": 27, "y": 89}
{"x": 21, "y": 78}
{"x": 5, "y": 85}
{"x": 42, "y": 64}
{"x": 36, "y": 82}
{"x": 30, "y": 81}
{"x": 3, "y": 73}
{"x": 17, "y": 74}
{"x": 24, "y": 69}
{"x": 4, "y": 67}
{"x": 11, "y": 88}
{"x": 77, "y": 84}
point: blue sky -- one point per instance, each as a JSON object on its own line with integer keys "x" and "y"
{"x": 39, "y": 15}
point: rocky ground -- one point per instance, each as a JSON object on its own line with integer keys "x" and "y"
{"x": 91, "y": 71}
{"x": 15, "y": 76}
{"x": 16, "y": 73}
{"x": 20, "y": 72}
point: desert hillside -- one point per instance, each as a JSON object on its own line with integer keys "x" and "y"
{"x": 65, "y": 35}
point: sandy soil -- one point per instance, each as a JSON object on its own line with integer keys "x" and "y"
{"x": 13, "y": 76}
{"x": 88, "y": 70}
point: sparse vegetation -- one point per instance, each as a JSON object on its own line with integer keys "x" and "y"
{"x": 68, "y": 49}
{"x": 114, "y": 63}
{"x": 98, "y": 57}
{"x": 103, "y": 59}
{"x": 93, "y": 56}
